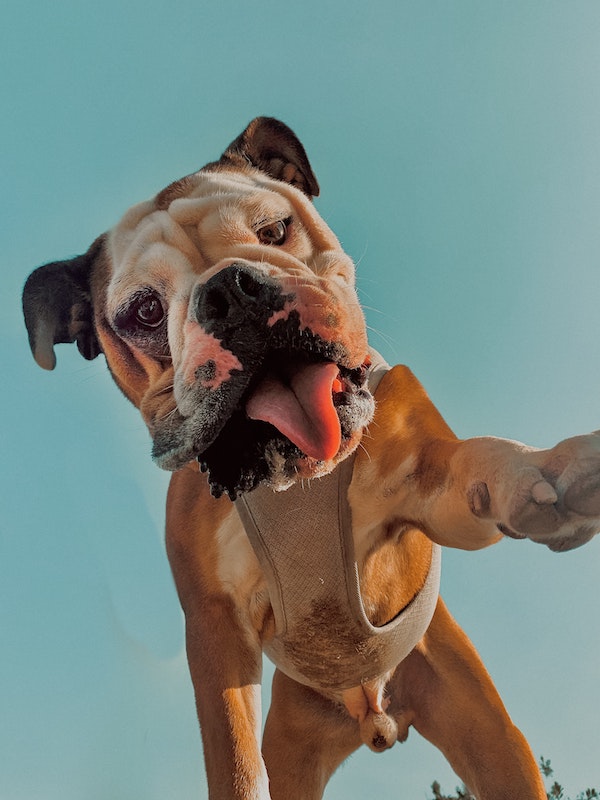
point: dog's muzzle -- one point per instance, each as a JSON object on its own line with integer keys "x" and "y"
{"x": 284, "y": 394}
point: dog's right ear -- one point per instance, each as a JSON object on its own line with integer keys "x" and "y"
{"x": 57, "y": 306}
{"x": 272, "y": 147}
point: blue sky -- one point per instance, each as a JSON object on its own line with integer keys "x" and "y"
{"x": 456, "y": 144}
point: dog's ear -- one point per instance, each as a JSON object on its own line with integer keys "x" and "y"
{"x": 57, "y": 307}
{"x": 273, "y": 148}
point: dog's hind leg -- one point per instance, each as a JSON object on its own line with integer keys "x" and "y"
{"x": 443, "y": 687}
{"x": 306, "y": 738}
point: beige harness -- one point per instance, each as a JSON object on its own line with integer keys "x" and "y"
{"x": 303, "y": 540}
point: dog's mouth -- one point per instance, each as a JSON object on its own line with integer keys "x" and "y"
{"x": 294, "y": 410}
{"x": 298, "y": 399}
{"x": 300, "y": 416}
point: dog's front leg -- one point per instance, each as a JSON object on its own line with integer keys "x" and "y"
{"x": 226, "y": 678}
{"x": 497, "y": 486}
{"x": 223, "y": 648}
{"x": 470, "y": 493}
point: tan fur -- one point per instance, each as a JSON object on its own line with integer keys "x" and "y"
{"x": 414, "y": 482}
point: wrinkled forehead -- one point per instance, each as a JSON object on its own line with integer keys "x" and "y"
{"x": 208, "y": 212}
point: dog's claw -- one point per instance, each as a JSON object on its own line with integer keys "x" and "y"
{"x": 543, "y": 493}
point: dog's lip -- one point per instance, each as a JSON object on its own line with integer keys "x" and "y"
{"x": 298, "y": 401}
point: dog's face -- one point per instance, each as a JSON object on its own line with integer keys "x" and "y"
{"x": 227, "y": 313}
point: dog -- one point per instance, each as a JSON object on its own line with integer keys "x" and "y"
{"x": 313, "y": 486}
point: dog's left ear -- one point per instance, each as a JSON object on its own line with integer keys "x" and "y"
{"x": 57, "y": 307}
{"x": 275, "y": 149}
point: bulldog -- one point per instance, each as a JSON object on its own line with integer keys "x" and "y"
{"x": 312, "y": 485}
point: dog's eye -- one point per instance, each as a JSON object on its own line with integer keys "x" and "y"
{"x": 142, "y": 320}
{"x": 148, "y": 311}
{"x": 144, "y": 311}
{"x": 273, "y": 233}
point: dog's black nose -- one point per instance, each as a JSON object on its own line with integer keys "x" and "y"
{"x": 236, "y": 293}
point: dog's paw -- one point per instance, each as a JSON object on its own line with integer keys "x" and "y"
{"x": 549, "y": 496}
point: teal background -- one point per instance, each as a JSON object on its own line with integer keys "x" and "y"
{"x": 458, "y": 149}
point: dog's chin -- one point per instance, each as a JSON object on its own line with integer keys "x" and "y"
{"x": 295, "y": 422}
{"x": 250, "y": 452}
{"x": 245, "y": 451}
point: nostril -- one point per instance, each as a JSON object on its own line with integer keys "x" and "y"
{"x": 247, "y": 283}
{"x": 216, "y": 303}
{"x": 234, "y": 294}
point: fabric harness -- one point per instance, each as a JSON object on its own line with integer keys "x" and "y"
{"x": 303, "y": 540}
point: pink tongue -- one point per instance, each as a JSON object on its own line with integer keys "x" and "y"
{"x": 302, "y": 411}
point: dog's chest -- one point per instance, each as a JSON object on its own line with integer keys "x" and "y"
{"x": 304, "y": 543}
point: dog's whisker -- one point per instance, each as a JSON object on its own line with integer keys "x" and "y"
{"x": 167, "y": 415}
{"x": 384, "y": 336}
{"x": 364, "y": 449}
{"x": 362, "y": 255}
{"x": 375, "y": 310}
{"x": 166, "y": 388}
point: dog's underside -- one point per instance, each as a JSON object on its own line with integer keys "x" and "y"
{"x": 227, "y": 313}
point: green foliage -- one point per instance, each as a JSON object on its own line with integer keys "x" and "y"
{"x": 555, "y": 792}
{"x": 461, "y": 794}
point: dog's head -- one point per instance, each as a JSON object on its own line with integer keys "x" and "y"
{"x": 227, "y": 313}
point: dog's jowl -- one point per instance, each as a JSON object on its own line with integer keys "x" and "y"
{"x": 227, "y": 313}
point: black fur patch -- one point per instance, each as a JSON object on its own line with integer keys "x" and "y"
{"x": 236, "y": 462}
